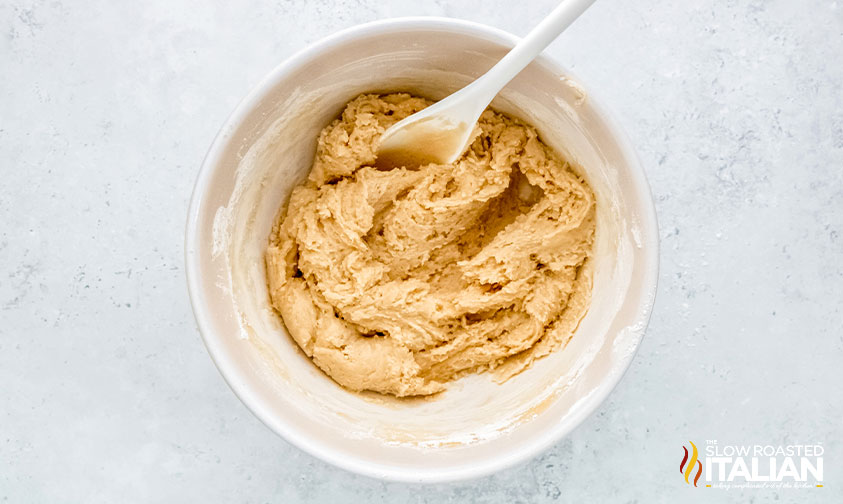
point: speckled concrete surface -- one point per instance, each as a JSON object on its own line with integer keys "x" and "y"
{"x": 107, "y": 108}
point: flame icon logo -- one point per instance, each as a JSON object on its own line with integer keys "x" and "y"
{"x": 687, "y": 470}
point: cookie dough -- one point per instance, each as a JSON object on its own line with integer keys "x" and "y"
{"x": 400, "y": 281}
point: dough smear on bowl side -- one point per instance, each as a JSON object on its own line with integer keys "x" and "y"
{"x": 401, "y": 281}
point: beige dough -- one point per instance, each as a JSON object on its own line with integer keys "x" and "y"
{"x": 400, "y": 281}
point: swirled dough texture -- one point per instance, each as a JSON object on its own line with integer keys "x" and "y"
{"x": 400, "y": 281}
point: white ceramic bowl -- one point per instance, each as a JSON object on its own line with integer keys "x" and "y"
{"x": 477, "y": 426}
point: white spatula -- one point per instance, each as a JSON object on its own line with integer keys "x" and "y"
{"x": 441, "y": 132}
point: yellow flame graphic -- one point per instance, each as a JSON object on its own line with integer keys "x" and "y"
{"x": 692, "y": 462}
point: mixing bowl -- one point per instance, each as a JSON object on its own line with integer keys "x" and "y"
{"x": 477, "y": 426}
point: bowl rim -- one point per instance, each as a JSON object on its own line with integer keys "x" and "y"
{"x": 227, "y": 366}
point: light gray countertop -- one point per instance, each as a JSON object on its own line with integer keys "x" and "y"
{"x": 107, "y": 108}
